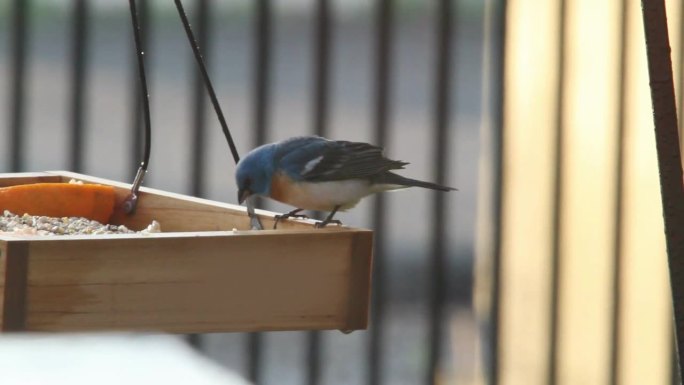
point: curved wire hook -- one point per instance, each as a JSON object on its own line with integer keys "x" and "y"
{"x": 131, "y": 202}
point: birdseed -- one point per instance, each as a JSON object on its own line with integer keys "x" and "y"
{"x": 48, "y": 226}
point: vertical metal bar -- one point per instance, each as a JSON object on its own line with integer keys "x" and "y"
{"x": 498, "y": 24}
{"x": 254, "y": 348}
{"x": 439, "y": 263}
{"x": 197, "y": 161}
{"x": 18, "y": 67}
{"x": 556, "y": 253}
{"x": 619, "y": 200}
{"x": 313, "y": 358}
{"x": 262, "y": 77}
{"x": 195, "y": 340}
{"x": 321, "y": 103}
{"x": 322, "y": 40}
{"x": 669, "y": 154}
{"x": 381, "y": 123}
{"x": 78, "y": 81}
{"x": 262, "y": 74}
{"x": 136, "y": 128}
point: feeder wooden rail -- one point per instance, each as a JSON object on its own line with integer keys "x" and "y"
{"x": 198, "y": 276}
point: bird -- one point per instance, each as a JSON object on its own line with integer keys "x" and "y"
{"x": 319, "y": 174}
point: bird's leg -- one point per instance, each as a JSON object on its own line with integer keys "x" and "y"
{"x": 329, "y": 219}
{"x": 254, "y": 222}
{"x": 291, "y": 214}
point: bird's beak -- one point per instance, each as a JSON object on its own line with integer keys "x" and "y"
{"x": 243, "y": 194}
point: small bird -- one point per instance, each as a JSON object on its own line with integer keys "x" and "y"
{"x": 315, "y": 173}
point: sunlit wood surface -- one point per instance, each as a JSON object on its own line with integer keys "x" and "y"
{"x": 589, "y": 107}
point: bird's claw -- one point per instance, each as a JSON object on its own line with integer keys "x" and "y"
{"x": 255, "y": 223}
{"x": 322, "y": 224}
{"x": 280, "y": 217}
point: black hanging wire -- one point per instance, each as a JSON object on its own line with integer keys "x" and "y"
{"x": 255, "y": 223}
{"x": 136, "y": 130}
{"x": 207, "y": 81}
{"x": 132, "y": 201}
{"x": 669, "y": 156}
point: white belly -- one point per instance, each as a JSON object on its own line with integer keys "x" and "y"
{"x": 324, "y": 196}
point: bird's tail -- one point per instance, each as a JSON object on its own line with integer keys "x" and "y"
{"x": 394, "y": 179}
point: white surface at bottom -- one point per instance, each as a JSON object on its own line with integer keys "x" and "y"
{"x": 105, "y": 359}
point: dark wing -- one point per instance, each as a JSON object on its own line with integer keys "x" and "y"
{"x": 319, "y": 159}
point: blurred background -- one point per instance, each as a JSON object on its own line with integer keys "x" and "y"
{"x": 547, "y": 266}
{"x": 70, "y": 100}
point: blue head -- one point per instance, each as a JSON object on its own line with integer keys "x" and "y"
{"x": 254, "y": 171}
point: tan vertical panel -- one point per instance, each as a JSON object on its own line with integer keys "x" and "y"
{"x": 674, "y": 24}
{"x": 586, "y": 243}
{"x": 590, "y": 126}
{"x": 645, "y": 344}
{"x": 531, "y": 70}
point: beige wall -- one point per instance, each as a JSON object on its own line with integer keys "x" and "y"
{"x": 590, "y": 141}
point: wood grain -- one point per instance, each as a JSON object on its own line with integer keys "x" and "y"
{"x": 199, "y": 276}
{"x": 176, "y": 212}
{"x": 192, "y": 284}
{"x": 27, "y": 178}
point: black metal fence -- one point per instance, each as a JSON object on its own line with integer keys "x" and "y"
{"x": 442, "y": 292}
{"x": 436, "y": 280}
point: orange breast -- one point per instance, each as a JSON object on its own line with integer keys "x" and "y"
{"x": 281, "y": 187}
{"x": 316, "y": 196}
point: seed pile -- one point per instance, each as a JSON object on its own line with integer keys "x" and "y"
{"x": 40, "y": 225}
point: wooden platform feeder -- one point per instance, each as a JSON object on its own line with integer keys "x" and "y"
{"x": 198, "y": 276}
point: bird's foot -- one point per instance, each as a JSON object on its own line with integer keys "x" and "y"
{"x": 329, "y": 219}
{"x": 322, "y": 224}
{"x": 291, "y": 214}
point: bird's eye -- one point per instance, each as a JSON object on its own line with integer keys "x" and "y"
{"x": 247, "y": 182}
